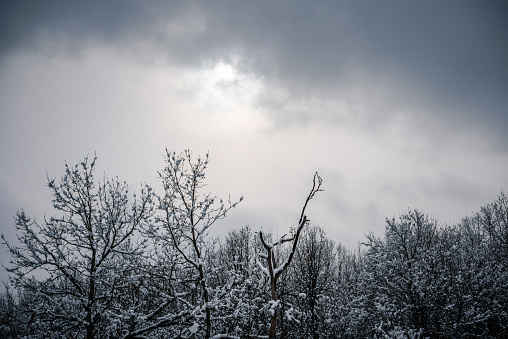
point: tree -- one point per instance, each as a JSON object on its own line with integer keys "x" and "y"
{"x": 313, "y": 276}
{"x": 274, "y": 270}
{"x": 185, "y": 217}
{"x": 398, "y": 268}
{"x": 346, "y": 314}
{"x": 493, "y": 218}
{"x": 236, "y": 285}
{"x": 77, "y": 253}
{"x": 10, "y": 316}
{"x": 483, "y": 268}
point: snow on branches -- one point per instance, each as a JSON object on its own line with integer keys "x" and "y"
{"x": 79, "y": 248}
{"x": 274, "y": 270}
{"x": 186, "y": 215}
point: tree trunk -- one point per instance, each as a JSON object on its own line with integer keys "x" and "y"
{"x": 208, "y": 321}
{"x": 89, "y": 308}
{"x": 273, "y": 322}
{"x": 91, "y": 295}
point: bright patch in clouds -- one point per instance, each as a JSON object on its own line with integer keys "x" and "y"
{"x": 223, "y": 72}
{"x": 226, "y": 99}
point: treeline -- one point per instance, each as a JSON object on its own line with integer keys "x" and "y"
{"x": 111, "y": 265}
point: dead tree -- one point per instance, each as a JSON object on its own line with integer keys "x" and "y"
{"x": 272, "y": 270}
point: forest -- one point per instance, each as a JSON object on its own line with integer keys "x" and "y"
{"x": 109, "y": 263}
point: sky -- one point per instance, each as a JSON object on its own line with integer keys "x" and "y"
{"x": 397, "y": 104}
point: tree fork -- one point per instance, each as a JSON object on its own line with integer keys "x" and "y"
{"x": 273, "y": 270}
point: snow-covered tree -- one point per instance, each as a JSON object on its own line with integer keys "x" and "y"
{"x": 345, "y": 314}
{"x": 483, "y": 269}
{"x": 273, "y": 270}
{"x": 185, "y": 215}
{"x": 398, "y": 273}
{"x": 312, "y": 278}
{"x": 68, "y": 262}
{"x": 237, "y": 285}
{"x": 425, "y": 280}
{"x": 11, "y": 317}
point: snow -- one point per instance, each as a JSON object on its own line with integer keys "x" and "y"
{"x": 194, "y": 328}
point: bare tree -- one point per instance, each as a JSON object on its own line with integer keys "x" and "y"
{"x": 78, "y": 252}
{"x": 186, "y": 217}
{"x": 274, "y": 270}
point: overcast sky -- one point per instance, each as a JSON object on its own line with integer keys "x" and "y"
{"x": 397, "y": 104}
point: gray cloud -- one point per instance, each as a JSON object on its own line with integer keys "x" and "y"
{"x": 449, "y": 58}
{"x": 444, "y": 65}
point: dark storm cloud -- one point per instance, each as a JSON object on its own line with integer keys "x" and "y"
{"x": 450, "y": 58}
